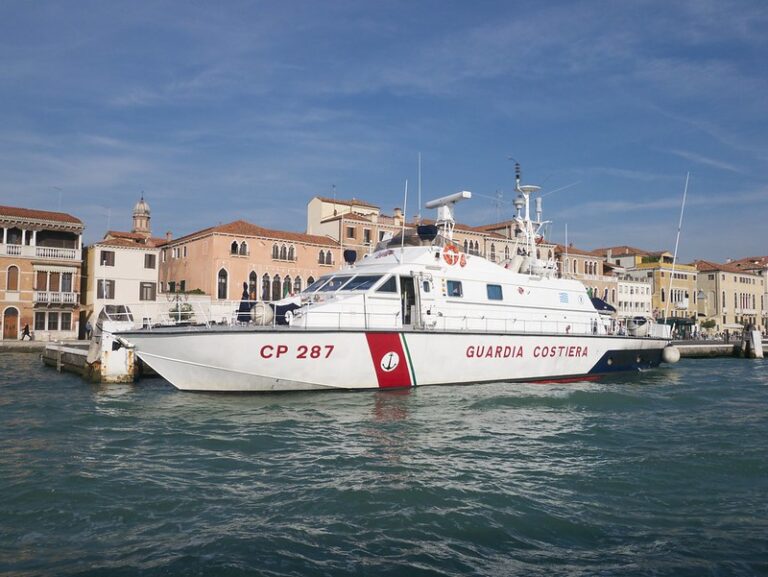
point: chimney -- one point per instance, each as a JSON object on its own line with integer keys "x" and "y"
{"x": 168, "y": 236}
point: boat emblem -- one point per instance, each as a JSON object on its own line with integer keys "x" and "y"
{"x": 390, "y": 361}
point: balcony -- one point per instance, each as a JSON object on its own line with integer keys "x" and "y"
{"x": 41, "y": 252}
{"x": 55, "y": 298}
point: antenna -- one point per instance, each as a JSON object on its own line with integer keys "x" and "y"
{"x": 418, "y": 211}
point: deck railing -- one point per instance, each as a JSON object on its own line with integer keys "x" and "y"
{"x": 224, "y": 315}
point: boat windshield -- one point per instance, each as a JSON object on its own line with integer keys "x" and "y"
{"x": 334, "y": 283}
{"x": 362, "y": 282}
{"x": 316, "y": 285}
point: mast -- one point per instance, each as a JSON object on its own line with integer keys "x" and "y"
{"x": 677, "y": 242}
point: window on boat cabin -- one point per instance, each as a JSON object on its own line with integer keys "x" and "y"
{"x": 454, "y": 288}
{"x": 313, "y": 285}
{"x": 494, "y": 292}
{"x": 425, "y": 286}
{"x": 335, "y": 283}
{"x": 388, "y": 286}
{"x": 362, "y": 282}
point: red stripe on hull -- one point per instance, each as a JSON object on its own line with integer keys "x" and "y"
{"x": 389, "y": 360}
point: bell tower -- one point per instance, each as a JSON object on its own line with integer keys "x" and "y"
{"x": 141, "y": 217}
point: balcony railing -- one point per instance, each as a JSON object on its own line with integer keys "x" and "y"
{"x": 45, "y": 252}
{"x": 55, "y": 298}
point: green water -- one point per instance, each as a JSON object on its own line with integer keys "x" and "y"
{"x": 660, "y": 473}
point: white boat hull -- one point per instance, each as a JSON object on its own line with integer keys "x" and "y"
{"x": 274, "y": 360}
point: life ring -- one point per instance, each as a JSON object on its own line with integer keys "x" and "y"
{"x": 451, "y": 254}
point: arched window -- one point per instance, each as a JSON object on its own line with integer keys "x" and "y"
{"x": 276, "y": 292}
{"x": 13, "y": 278}
{"x": 286, "y": 286}
{"x": 253, "y": 286}
{"x": 477, "y": 247}
{"x": 283, "y": 253}
{"x": 328, "y": 257}
{"x": 321, "y": 257}
{"x": 243, "y": 248}
{"x": 275, "y": 251}
{"x": 506, "y": 252}
{"x": 265, "y": 287}
{"x": 310, "y": 280}
{"x": 493, "y": 252}
{"x": 233, "y": 247}
{"x": 297, "y": 285}
{"x": 222, "y": 284}
{"x": 465, "y": 245}
{"x": 291, "y": 253}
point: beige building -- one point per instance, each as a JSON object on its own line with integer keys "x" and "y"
{"x": 39, "y": 273}
{"x": 590, "y": 269}
{"x": 757, "y": 265}
{"x": 217, "y": 261}
{"x": 731, "y": 295}
{"x": 673, "y": 286}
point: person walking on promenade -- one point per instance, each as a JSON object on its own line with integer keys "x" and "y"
{"x": 25, "y": 333}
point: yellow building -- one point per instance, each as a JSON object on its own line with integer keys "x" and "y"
{"x": 731, "y": 296}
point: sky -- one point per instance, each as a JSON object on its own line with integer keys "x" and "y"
{"x": 218, "y": 111}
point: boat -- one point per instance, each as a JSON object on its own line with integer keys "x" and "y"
{"x": 417, "y": 310}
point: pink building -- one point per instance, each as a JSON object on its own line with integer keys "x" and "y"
{"x": 218, "y": 260}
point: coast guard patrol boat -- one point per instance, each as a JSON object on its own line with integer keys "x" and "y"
{"x": 415, "y": 311}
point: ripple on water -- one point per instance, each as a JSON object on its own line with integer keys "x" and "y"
{"x": 658, "y": 473}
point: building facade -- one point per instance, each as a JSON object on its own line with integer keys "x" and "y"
{"x": 40, "y": 267}
{"x": 123, "y": 269}
{"x": 732, "y": 296}
{"x": 273, "y": 264}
